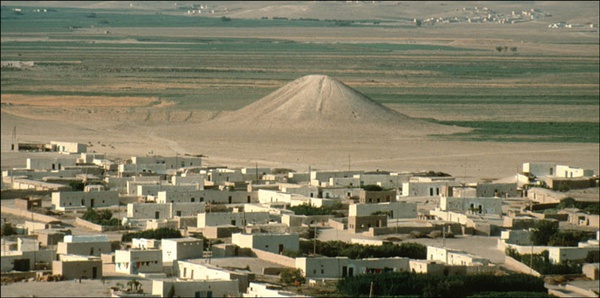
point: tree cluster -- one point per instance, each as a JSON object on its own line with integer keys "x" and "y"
{"x": 103, "y": 217}
{"x": 546, "y": 232}
{"x": 505, "y": 49}
{"x": 309, "y": 210}
{"x": 588, "y": 207}
{"x": 541, "y": 263}
{"x": 292, "y": 276}
{"x": 424, "y": 285}
{"x": 359, "y": 251}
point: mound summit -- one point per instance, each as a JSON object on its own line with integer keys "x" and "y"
{"x": 315, "y": 101}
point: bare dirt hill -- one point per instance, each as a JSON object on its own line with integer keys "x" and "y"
{"x": 319, "y": 101}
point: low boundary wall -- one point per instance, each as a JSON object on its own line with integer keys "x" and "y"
{"x": 29, "y": 215}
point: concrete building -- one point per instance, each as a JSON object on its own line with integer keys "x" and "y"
{"x": 163, "y": 211}
{"x": 143, "y": 243}
{"x": 591, "y": 270}
{"x": 195, "y": 288}
{"x": 26, "y": 260}
{"x": 88, "y": 245}
{"x": 209, "y": 196}
{"x": 436, "y": 268}
{"x": 237, "y": 219}
{"x": 585, "y": 220}
{"x": 340, "y": 267}
{"x": 359, "y": 224}
{"x": 473, "y": 205}
{"x": 181, "y": 249}
{"x": 198, "y": 270}
{"x": 48, "y": 163}
{"x": 392, "y": 209}
{"x": 89, "y": 158}
{"x": 321, "y": 178}
{"x": 69, "y": 200}
{"x": 274, "y": 243}
{"x": 268, "y": 290}
{"x": 220, "y": 176}
{"x": 427, "y": 186}
{"x": 138, "y": 261}
{"x": 551, "y": 169}
{"x": 77, "y": 266}
{"x": 189, "y": 179}
{"x": 374, "y": 197}
{"x": 454, "y": 257}
{"x": 68, "y": 147}
{"x": 146, "y": 189}
{"x": 518, "y": 237}
{"x": 502, "y": 190}
{"x": 561, "y": 255}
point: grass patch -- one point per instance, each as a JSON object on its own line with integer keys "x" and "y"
{"x": 553, "y": 132}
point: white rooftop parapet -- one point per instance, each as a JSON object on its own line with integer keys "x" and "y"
{"x": 85, "y": 238}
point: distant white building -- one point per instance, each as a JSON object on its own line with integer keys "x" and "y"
{"x": 473, "y": 205}
{"x": 275, "y": 243}
{"x": 181, "y": 249}
{"x": 138, "y": 261}
{"x": 237, "y": 219}
{"x": 68, "y": 147}
{"x": 69, "y": 200}
{"x": 196, "y": 288}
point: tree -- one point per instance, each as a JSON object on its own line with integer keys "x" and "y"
{"x": 499, "y": 49}
{"x": 292, "y": 276}
{"x": 542, "y": 231}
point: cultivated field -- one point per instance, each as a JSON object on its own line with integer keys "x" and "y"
{"x": 152, "y": 78}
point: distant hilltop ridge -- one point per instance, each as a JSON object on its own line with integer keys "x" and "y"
{"x": 315, "y": 101}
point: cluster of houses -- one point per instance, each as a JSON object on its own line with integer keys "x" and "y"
{"x": 247, "y": 212}
{"x": 486, "y": 15}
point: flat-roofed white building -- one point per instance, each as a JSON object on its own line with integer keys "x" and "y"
{"x": 49, "y": 163}
{"x": 274, "y": 243}
{"x": 163, "y": 211}
{"x": 68, "y": 147}
{"x": 474, "y": 205}
{"x": 68, "y": 200}
{"x": 392, "y": 209}
{"x": 208, "y": 195}
{"x": 561, "y": 255}
{"x": 199, "y": 270}
{"x": 340, "y": 267}
{"x": 268, "y": 290}
{"x": 454, "y": 257}
{"x": 181, "y": 249}
{"x": 237, "y": 219}
{"x": 86, "y": 245}
{"x": 196, "y": 288}
{"x": 136, "y": 261}
{"x": 77, "y": 266}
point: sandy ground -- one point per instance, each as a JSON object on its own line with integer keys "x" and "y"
{"x": 70, "y": 288}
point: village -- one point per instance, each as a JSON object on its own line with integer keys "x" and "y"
{"x": 154, "y": 226}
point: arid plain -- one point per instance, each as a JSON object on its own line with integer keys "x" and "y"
{"x": 151, "y": 78}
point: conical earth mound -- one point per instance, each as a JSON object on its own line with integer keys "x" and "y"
{"x": 314, "y": 98}
{"x": 319, "y": 101}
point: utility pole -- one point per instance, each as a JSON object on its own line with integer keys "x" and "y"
{"x": 371, "y": 290}
{"x": 348, "y": 162}
{"x": 315, "y": 242}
